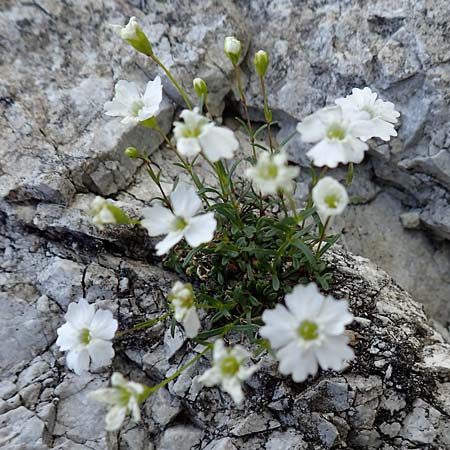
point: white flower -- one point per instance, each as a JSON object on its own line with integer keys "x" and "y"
{"x": 330, "y": 197}
{"x": 336, "y": 136}
{"x": 124, "y": 398}
{"x": 198, "y": 134}
{"x": 232, "y": 48}
{"x": 87, "y": 336}
{"x": 183, "y": 222}
{"x": 182, "y": 299}
{"x": 131, "y": 105}
{"x": 229, "y": 369}
{"x": 375, "y": 117}
{"x": 308, "y": 332}
{"x": 272, "y": 173}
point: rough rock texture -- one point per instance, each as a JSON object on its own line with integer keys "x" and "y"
{"x": 59, "y": 62}
{"x": 396, "y": 395}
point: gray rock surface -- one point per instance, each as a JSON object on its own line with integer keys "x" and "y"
{"x": 59, "y": 62}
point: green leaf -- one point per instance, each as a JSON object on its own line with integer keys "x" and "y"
{"x": 275, "y": 283}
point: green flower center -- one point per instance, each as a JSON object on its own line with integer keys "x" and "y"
{"x": 331, "y": 200}
{"x": 85, "y": 336}
{"x": 192, "y": 132}
{"x": 229, "y": 366}
{"x": 336, "y": 132}
{"x": 179, "y": 224}
{"x": 308, "y": 330}
{"x": 136, "y": 107}
{"x": 270, "y": 171}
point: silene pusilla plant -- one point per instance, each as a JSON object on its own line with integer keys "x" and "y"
{"x": 246, "y": 253}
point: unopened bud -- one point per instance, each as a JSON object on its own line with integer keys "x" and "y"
{"x": 232, "y": 48}
{"x": 133, "y": 34}
{"x": 261, "y": 63}
{"x": 200, "y": 87}
{"x": 132, "y": 152}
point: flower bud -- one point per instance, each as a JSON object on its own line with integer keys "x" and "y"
{"x": 133, "y": 34}
{"x": 232, "y": 48}
{"x": 132, "y": 152}
{"x": 200, "y": 87}
{"x": 261, "y": 63}
{"x": 104, "y": 213}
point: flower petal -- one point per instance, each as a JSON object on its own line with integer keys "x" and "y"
{"x": 68, "y": 337}
{"x": 153, "y": 95}
{"x": 78, "y": 361}
{"x": 188, "y": 147}
{"x": 185, "y": 201}
{"x": 218, "y": 142}
{"x": 157, "y": 220}
{"x": 80, "y": 314}
{"x": 200, "y": 229}
{"x": 115, "y": 417}
{"x": 334, "y": 352}
{"x": 168, "y": 242}
{"x": 101, "y": 352}
{"x": 210, "y": 377}
{"x": 233, "y": 387}
{"x": 103, "y": 325}
{"x": 191, "y": 323}
{"x": 311, "y": 129}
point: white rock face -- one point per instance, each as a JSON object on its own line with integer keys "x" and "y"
{"x": 59, "y": 63}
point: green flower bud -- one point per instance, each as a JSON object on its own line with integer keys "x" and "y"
{"x": 261, "y": 63}
{"x": 200, "y": 87}
{"x": 232, "y": 48}
{"x": 133, "y": 34}
{"x": 132, "y": 152}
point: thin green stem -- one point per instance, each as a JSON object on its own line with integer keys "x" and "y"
{"x": 150, "y": 390}
{"x": 141, "y": 325}
{"x": 156, "y": 181}
{"x": 322, "y": 236}
{"x": 267, "y": 113}
{"x": 172, "y": 79}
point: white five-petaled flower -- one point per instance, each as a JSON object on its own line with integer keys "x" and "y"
{"x": 374, "y": 117}
{"x": 272, "y": 173}
{"x": 308, "y": 332}
{"x": 129, "y": 103}
{"x": 197, "y": 134}
{"x": 229, "y": 369}
{"x": 182, "y": 298}
{"x": 329, "y": 197}
{"x": 182, "y": 222}
{"x": 124, "y": 397}
{"x": 87, "y": 336}
{"x": 336, "y": 135}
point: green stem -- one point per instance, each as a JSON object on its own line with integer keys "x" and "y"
{"x": 322, "y": 235}
{"x": 267, "y": 113}
{"x": 156, "y": 181}
{"x": 141, "y": 325}
{"x": 172, "y": 79}
{"x": 150, "y": 390}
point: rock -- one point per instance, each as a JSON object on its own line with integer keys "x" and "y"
{"x": 180, "y": 437}
{"x": 59, "y": 65}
